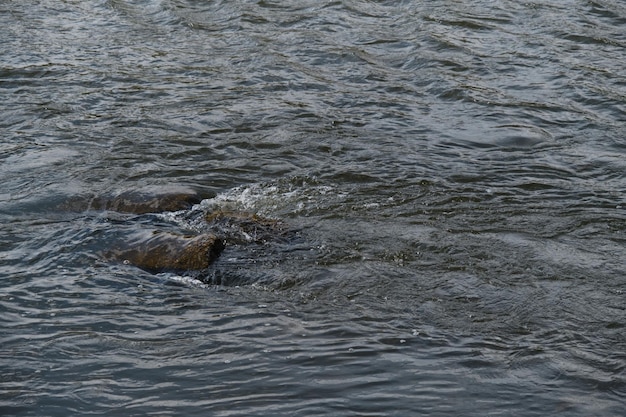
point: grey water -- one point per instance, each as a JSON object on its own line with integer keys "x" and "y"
{"x": 454, "y": 174}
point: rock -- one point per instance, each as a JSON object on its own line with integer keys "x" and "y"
{"x": 135, "y": 202}
{"x": 169, "y": 252}
{"x": 141, "y": 204}
{"x": 241, "y": 227}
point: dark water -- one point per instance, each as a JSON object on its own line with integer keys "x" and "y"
{"x": 454, "y": 172}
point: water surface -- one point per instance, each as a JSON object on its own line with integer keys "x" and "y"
{"x": 453, "y": 173}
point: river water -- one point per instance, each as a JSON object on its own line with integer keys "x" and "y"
{"x": 453, "y": 174}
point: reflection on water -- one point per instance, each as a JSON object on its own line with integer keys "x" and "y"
{"x": 453, "y": 174}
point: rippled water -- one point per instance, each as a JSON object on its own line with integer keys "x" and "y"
{"x": 454, "y": 173}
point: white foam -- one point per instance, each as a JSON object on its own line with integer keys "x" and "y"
{"x": 192, "y": 282}
{"x": 266, "y": 199}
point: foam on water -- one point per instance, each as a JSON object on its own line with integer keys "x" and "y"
{"x": 278, "y": 201}
{"x": 267, "y": 199}
{"x": 184, "y": 279}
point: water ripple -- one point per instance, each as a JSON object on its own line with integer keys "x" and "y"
{"x": 453, "y": 173}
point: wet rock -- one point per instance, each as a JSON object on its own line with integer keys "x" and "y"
{"x": 140, "y": 204}
{"x": 135, "y": 202}
{"x": 241, "y": 227}
{"x": 169, "y": 252}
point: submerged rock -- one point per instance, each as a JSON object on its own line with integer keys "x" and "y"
{"x": 136, "y": 202}
{"x": 140, "y": 204}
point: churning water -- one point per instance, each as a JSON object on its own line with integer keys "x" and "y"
{"x": 454, "y": 173}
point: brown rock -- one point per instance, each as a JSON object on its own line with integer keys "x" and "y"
{"x": 140, "y": 204}
{"x": 168, "y": 252}
{"x": 135, "y": 202}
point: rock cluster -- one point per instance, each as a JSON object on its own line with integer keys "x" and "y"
{"x": 162, "y": 251}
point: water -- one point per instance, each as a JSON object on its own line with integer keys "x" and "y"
{"x": 453, "y": 173}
